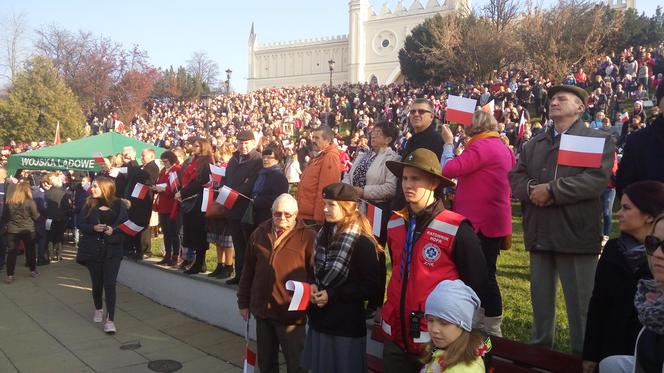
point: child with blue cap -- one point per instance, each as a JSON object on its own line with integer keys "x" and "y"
{"x": 454, "y": 347}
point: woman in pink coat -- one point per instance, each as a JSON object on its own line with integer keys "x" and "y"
{"x": 483, "y": 196}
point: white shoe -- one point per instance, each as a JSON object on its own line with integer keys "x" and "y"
{"x": 99, "y": 316}
{"x": 109, "y": 327}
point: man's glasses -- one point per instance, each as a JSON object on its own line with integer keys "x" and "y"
{"x": 278, "y": 214}
{"x": 419, "y": 111}
{"x": 652, "y": 243}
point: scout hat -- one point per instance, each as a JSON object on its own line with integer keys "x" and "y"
{"x": 422, "y": 159}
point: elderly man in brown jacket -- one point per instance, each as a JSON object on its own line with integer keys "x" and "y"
{"x": 279, "y": 250}
{"x": 562, "y": 212}
{"x": 321, "y": 171}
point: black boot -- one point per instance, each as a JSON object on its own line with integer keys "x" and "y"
{"x": 226, "y": 272}
{"x": 197, "y": 267}
{"x": 166, "y": 260}
{"x": 217, "y": 270}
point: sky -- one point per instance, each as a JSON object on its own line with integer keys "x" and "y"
{"x": 172, "y": 30}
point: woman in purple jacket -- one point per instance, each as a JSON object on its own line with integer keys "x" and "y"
{"x": 483, "y": 196}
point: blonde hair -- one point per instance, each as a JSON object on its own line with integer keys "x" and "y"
{"x": 482, "y": 122}
{"x": 21, "y": 193}
{"x": 353, "y": 216}
{"x": 462, "y": 351}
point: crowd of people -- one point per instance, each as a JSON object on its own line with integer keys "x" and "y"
{"x": 320, "y": 185}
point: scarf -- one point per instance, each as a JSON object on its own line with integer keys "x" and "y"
{"x": 332, "y": 255}
{"x": 262, "y": 177}
{"x": 649, "y": 303}
{"x": 483, "y": 135}
{"x": 635, "y": 256}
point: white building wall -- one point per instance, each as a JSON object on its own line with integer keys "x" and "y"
{"x": 371, "y": 48}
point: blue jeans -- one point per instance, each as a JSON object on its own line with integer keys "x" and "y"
{"x": 607, "y": 209}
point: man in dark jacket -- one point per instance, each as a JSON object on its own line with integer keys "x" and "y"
{"x": 38, "y": 195}
{"x": 279, "y": 250}
{"x": 241, "y": 174}
{"x": 421, "y": 118}
{"x": 58, "y": 207}
{"x": 643, "y": 155}
{"x": 141, "y": 209}
{"x": 561, "y": 213}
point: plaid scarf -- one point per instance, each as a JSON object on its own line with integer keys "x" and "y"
{"x": 332, "y": 255}
{"x": 649, "y": 303}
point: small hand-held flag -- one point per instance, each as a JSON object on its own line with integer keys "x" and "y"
{"x": 115, "y": 171}
{"x": 130, "y": 228}
{"x": 374, "y": 215}
{"x": 249, "y": 355}
{"x": 227, "y": 197}
{"x": 208, "y": 198}
{"x": 460, "y": 110}
{"x": 490, "y": 107}
{"x": 173, "y": 180}
{"x": 217, "y": 173}
{"x": 522, "y": 126}
{"x": 581, "y": 151}
{"x": 301, "y": 295}
{"x": 140, "y": 191}
{"x": 160, "y": 187}
{"x": 99, "y": 158}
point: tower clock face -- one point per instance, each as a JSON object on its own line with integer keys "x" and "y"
{"x": 384, "y": 43}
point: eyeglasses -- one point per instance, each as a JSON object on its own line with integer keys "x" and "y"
{"x": 278, "y": 214}
{"x": 652, "y": 243}
{"x": 419, "y": 111}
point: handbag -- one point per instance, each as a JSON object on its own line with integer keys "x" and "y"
{"x": 248, "y": 217}
{"x": 215, "y": 212}
{"x": 187, "y": 205}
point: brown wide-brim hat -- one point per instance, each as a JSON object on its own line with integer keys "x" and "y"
{"x": 577, "y": 91}
{"x": 424, "y": 160}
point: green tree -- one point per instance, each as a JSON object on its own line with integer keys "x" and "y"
{"x": 36, "y": 101}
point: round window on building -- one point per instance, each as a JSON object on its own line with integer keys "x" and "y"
{"x": 385, "y": 43}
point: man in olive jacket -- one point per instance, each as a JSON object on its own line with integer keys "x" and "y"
{"x": 279, "y": 250}
{"x": 561, "y": 217}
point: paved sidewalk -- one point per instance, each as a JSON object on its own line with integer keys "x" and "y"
{"x": 46, "y": 326}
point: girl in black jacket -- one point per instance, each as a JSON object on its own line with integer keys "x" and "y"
{"x": 100, "y": 245}
{"x": 345, "y": 276}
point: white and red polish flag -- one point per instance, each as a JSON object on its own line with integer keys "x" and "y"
{"x": 301, "y": 295}
{"x": 249, "y": 360}
{"x": 173, "y": 180}
{"x": 208, "y": 198}
{"x": 374, "y": 215}
{"x": 624, "y": 118}
{"x": 227, "y": 197}
{"x": 130, "y": 228}
{"x": 522, "y": 126}
{"x": 99, "y": 158}
{"x": 490, "y": 107}
{"x": 115, "y": 171}
{"x": 460, "y": 110}
{"x": 580, "y": 151}
{"x": 217, "y": 173}
{"x": 140, "y": 191}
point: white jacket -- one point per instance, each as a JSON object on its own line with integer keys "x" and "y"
{"x": 381, "y": 183}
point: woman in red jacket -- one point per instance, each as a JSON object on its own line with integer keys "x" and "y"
{"x": 164, "y": 206}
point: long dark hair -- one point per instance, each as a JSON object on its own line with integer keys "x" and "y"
{"x": 107, "y": 187}
{"x": 647, "y": 196}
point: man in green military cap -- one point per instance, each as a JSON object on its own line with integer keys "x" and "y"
{"x": 428, "y": 244}
{"x": 561, "y": 213}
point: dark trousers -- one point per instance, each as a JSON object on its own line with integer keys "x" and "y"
{"x": 240, "y": 233}
{"x": 396, "y": 360}
{"x": 171, "y": 235}
{"x": 13, "y": 240}
{"x": 3, "y": 250}
{"x": 141, "y": 243}
{"x": 269, "y": 336}
{"x": 103, "y": 276}
{"x": 382, "y": 262}
{"x": 492, "y": 302}
{"x": 42, "y": 245}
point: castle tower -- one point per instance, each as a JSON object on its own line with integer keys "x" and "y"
{"x": 358, "y": 12}
{"x": 252, "y": 47}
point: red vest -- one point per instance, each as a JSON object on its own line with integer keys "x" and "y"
{"x": 431, "y": 263}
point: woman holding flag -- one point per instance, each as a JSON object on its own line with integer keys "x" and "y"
{"x": 483, "y": 196}
{"x": 164, "y": 205}
{"x": 194, "y": 178}
{"x": 100, "y": 247}
{"x": 345, "y": 276}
